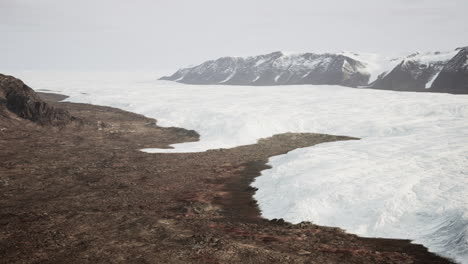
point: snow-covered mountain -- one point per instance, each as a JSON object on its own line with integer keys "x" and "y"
{"x": 415, "y": 72}
{"x": 425, "y": 72}
{"x": 277, "y": 68}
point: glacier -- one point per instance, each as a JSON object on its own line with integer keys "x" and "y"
{"x": 406, "y": 178}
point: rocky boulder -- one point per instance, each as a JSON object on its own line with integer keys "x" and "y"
{"x": 21, "y": 100}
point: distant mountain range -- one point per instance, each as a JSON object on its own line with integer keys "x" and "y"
{"x": 425, "y": 72}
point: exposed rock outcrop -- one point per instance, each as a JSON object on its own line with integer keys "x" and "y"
{"x": 454, "y": 76}
{"x": 20, "y": 100}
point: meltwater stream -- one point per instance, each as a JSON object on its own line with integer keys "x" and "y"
{"x": 406, "y": 178}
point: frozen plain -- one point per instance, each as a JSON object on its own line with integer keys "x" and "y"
{"x": 406, "y": 178}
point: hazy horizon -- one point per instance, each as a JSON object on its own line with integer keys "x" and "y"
{"x": 166, "y": 35}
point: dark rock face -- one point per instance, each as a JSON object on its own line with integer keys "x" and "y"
{"x": 415, "y": 73}
{"x": 409, "y": 75}
{"x": 21, "y": 100}
{"x": 277, "y": 69}
{"x": 454, "y": 76}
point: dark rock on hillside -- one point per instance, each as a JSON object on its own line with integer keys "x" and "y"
{"x": 277, "y": 69}
{"x": 454, "y": 76}
{"x": 412, "y": 74}
{"x": 407, "y": 76}
{"x": 17, "y": 98}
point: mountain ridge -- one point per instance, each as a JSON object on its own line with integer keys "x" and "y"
{"x": 416, "y": 72}
{"x": 276, "y": 68}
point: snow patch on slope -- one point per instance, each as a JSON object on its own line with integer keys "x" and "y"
{"x": 277, "y": 78}
{"x": 229, "y": 77}
{"x": 299, "y": 61}
{"x": 376, "y": 64}
{"x": 180, "y": 78}
{"x": 431, "y": 81}
{"x": 431, "y": 57}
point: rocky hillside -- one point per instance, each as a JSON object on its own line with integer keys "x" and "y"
{"x": 18, "y": 100}
{"x": 277, "y": 69}
{"x": 415, "y": 72}
{"x": 418, "y": 72}
{"x": 453, "y": 78}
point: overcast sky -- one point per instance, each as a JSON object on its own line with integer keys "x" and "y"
{"x": 167, "y": 34}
